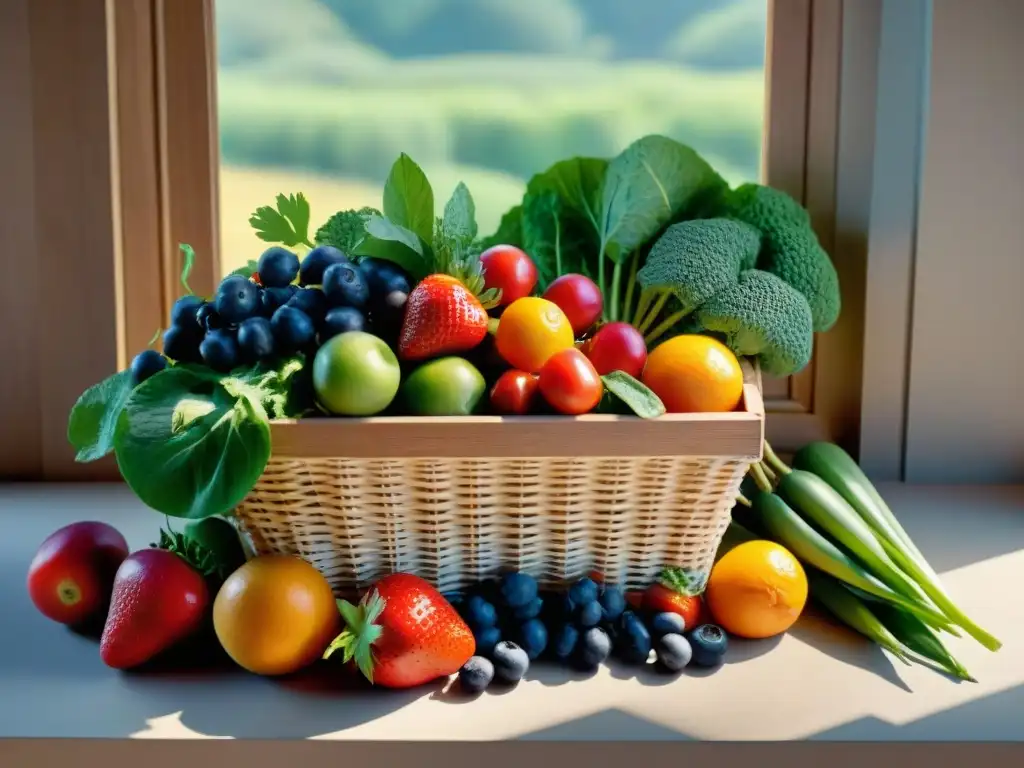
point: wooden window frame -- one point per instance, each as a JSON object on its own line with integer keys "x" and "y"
{"x": 159, "y": 70}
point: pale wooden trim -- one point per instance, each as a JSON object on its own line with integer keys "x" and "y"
{"x": 189, "y": 156}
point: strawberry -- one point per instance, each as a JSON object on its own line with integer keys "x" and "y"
{"x": 441, "y": 317}
{"x": 676, "y": 591}
{"x": 403, "y": 633}
{"x": 158, "y": 600}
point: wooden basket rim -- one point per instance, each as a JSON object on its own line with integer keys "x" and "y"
{"x": 735, "y": 434}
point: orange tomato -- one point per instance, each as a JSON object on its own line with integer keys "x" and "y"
{"x": 693, "y": 374}
{"x": 756, "y": 590}
{"x": 530, "y": 331}
{"x": 275, "y": 615}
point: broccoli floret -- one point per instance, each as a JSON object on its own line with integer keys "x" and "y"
{"x": 345, "y": 229}
{"x": 691, "y": 262}
{"x": 789, "y": 247}
{"x": 763, "y": 316}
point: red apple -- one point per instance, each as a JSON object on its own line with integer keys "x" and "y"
{"x": 617, "y": 347}
{"x": 72, "y": 575}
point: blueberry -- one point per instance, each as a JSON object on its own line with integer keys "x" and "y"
{"x": 674, "y": 651}
{"x": 595, "y": 647}
{"x": 293, "y": 330}
{"x": 529, "y": 611}
{"x": 455, "y": 599}
{"x": 219, "y": 350}
{"x": 145, "y": 364}
{"x": 510, "y": 661}
{"x": 634, "y": 641}
{"x": 518, "y": 589}
{"x": 589, "y": 614}
{"x": 272, "y": 299}
{"x": 344, "y": 286}
{"x": 208, "y": 318}
{"x": 183, "y": 313}
{"x": 709, "y": 643}
{"x": 389, "y": 312}
{"x": 384, "y": 276}
{"x": 341, "y": 320}
{"x": 237, "y": 298}
{"x": 255, "y": 339}
{"x": 476, "y": 674}
{"x": 613, "y": 602}
{"x": 181, "y": 345}
{"x": 533, "y": 638}
{"x": 487, "y": 639}
{"x": 667, "y": 623}
{"x": 479, "y": 613}
{"x": 583, "y": 591}
{"x": 311, "y": 272}
{"x": 277, "y": 267}
{"x": 564, "y": 641}
{"x": 311, "y": 301}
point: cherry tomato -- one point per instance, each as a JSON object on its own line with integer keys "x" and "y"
{"x": 514, "y": 393}
{"x": 617, "y": 347}
{"x": 510, "y": 270}
{"x": 570, "y": 384}
{"x": 580, "y": 299}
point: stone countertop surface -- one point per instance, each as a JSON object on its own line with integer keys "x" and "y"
{"x": 818, "y": 682}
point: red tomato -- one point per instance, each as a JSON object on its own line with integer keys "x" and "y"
{"x": 579, "y": 297}
{"x": 510, "y": 270}
{"x": 660, "y": 599}
{"x": 72, "y": 575}
{"x": 569, "y": 383}
{"x": 617, "y": 347}
{"x": 514, "y": 393}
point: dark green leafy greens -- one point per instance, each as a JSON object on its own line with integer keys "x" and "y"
{"x": 93, "y": 420}
{"x": 409, "y": 199}
{"x": 345, "y": 230}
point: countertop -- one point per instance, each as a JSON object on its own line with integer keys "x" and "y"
{"x": 818, "y": 682}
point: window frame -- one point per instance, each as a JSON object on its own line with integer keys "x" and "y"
{"x": 160, "y": 59}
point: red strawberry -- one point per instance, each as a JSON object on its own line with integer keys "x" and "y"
{"x": 675, "y": 592}
{"x": 403, "y": 633}
{"x": 158, "y": 600}
{"x": 442, "y": 316}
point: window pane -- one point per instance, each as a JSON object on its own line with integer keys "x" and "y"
{"x": 321, "y": 96}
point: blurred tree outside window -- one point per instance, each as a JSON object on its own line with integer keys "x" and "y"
{"x": 321, "y": 96}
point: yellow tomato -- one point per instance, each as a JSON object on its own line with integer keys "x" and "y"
{"x": 530, "y": 331}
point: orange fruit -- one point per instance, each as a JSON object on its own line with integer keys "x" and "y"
{"x": 694, "y": 374}
{"x": 275, "y": 615}
{"x": 756, "y": 590}
{"x": 530, "y": 331}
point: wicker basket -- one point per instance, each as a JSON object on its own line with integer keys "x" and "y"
{"x": 457, "y": 500}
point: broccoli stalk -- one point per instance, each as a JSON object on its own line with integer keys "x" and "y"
{"x": 689, "y": 264}
{"x": 762, "y": 316}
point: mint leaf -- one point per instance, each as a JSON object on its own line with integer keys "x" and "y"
{"x": 188, "y": 448}
{"x": 93, "y": 420}
{"x": 634, "y": 394}
{"x": 393, "y": 242}
{"x": 189, "y": 257}
{"x": 288, "y": 224}
{"x": 459, "y": 220}
{"x": 409, "y": 199}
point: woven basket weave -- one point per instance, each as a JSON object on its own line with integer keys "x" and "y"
{"x": 457, "y": 500}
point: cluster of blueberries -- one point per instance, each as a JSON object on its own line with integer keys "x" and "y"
{"x": 514, "y": 623}
{"x": 288, "y": 307}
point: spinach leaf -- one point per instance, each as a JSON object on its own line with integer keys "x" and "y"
{"x": 510, "y": 230}
{"x": 409, "y": 199}
{"x": 557, "y": 242}
{"x": 645, "y": 188}
{"x": 459, "y": 221}
{"x": 634, "y": 394}
{"x": 393, "y": 242}
{"x": 192, "y": 447}
{"x": 579, "y": 182}
{"x": 93, "y": 420}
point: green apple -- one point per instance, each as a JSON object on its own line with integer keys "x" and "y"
{"x": 449, "y": 386}
{"x": 355, "y": 374}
